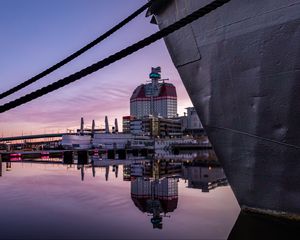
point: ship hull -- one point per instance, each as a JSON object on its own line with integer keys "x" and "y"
{"x": 240, "y": 65}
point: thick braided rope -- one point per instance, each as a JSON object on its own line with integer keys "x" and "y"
{"x": 115, "y": 57}
{"x": 75, "y": 54}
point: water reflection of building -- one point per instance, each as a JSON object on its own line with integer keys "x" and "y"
{"x": 82, "y": 167}
{"x": 156, "y": 197}
{"x": 7, "y": 166}
{"x": 116, "y": 170}
{"x": 156, "y": 168}
{"x": 127, "y": 172}
{"x": 205, "y": 178}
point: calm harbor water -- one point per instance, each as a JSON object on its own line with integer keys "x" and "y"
{"x": 161, "y": 199}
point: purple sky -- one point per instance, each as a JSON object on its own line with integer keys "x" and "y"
{"x": 36, "y": 34}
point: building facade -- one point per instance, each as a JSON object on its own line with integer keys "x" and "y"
{"x": 156, "y": 126}
{"x": 156, "y": 98}
{"x": 191, "y": 123}
{"x": 126, "y": 123}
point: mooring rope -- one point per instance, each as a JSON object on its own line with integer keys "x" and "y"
{"x": 115, "y": 57}
{"x": 77, "y": 53}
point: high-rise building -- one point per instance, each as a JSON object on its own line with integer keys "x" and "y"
{"x": 156, "y": 98}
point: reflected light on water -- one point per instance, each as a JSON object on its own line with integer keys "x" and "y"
{"x": 138, "y": 200}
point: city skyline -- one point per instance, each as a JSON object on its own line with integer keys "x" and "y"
{"x": 37, "y": 35}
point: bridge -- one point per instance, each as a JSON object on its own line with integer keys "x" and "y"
{"x": 25, "y": 137}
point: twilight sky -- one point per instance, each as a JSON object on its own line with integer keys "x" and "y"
{"x": 36, "y": 34}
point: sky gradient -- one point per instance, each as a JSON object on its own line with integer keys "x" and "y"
{"x": 37, "y": 34}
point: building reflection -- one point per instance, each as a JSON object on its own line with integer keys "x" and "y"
{"x": 127, "y": 172}
{"x": 81, "y": 168}
{"x": 106, "y": 172}
{"x": 8, "y": 166}
{"x": 154, "y": 189}
{"x": 205, "y": 178}
{"x": 157, "y": 197}
{"x": 202, "y": 172}
{"x": 156, "y": 168}
{"x": 116, "y": 170}
{"x": 154, "y": 184}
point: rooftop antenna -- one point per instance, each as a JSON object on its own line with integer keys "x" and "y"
{"x": 155, "y": 74}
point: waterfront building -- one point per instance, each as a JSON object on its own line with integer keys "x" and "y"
{"x": 92, "y": 138}
{"x": 156, "y": 126}
{"x": 156, "y": 98}
{"x": 76, "y": 141}
{"x": 126, "y": 123}
{"x": 111, "y": 141}
{"x": 136, "y": 127}
{"x": 191, "y": 123}
{"x": 193, "y": 120}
